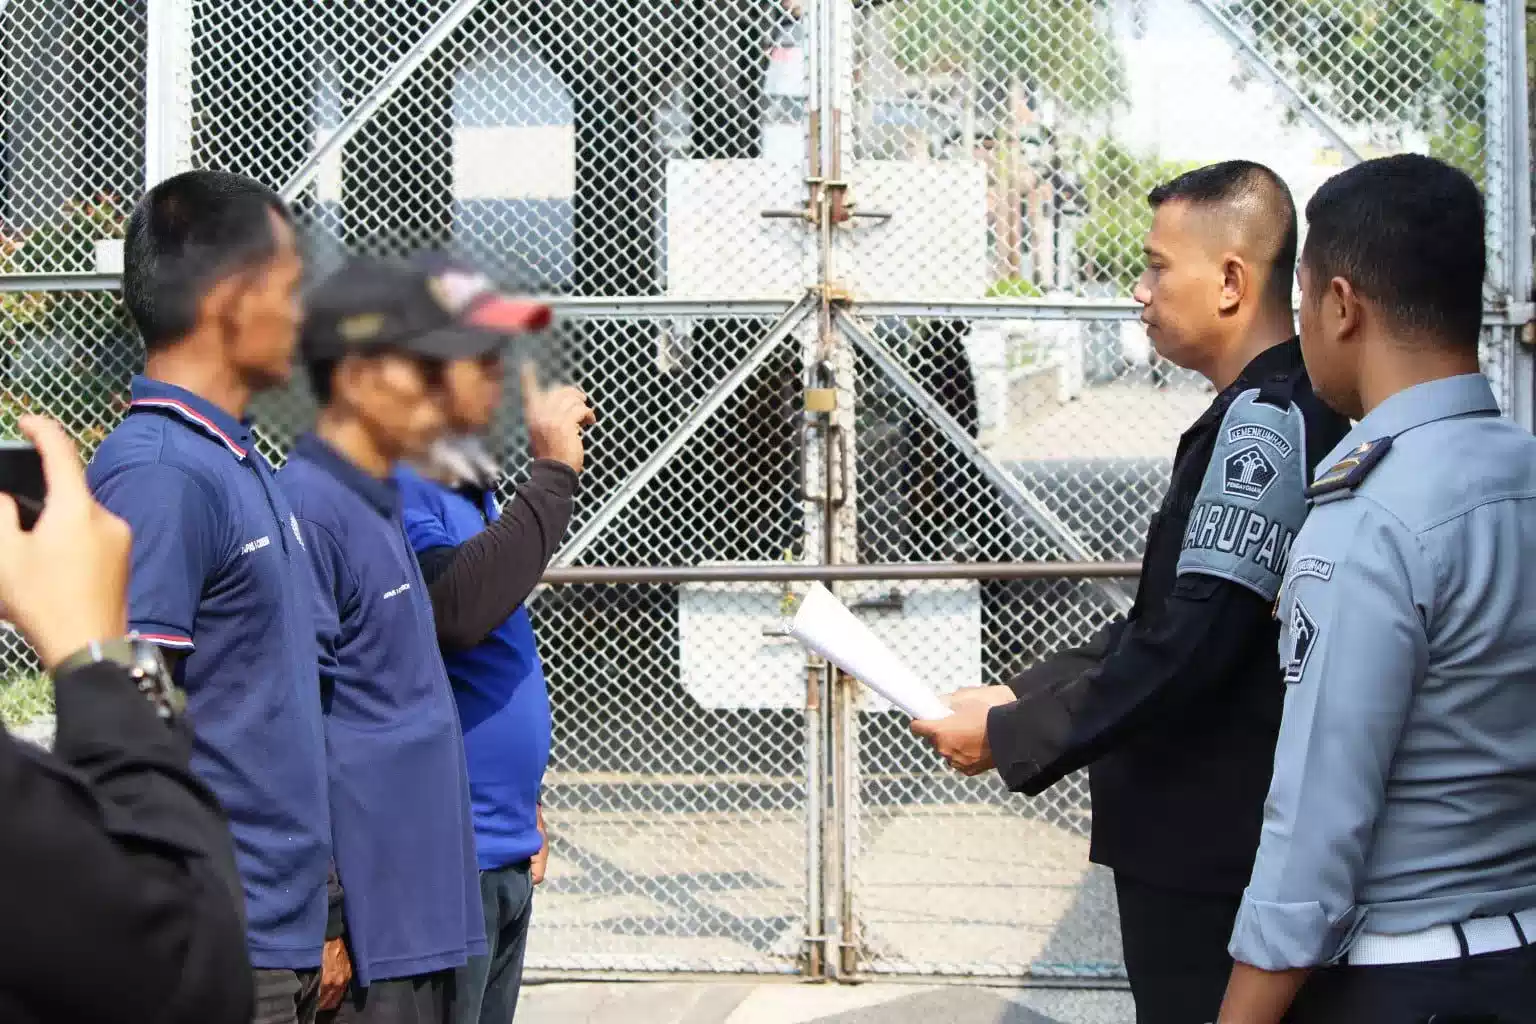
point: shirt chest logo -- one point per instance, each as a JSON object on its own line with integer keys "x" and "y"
{"x": 255, "y": 545}
{"x": 402, "y": 588}
{"x": 1248, "y": 473}
{"x": 293, "y": 523}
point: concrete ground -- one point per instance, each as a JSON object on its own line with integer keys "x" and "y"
{"x": 726, "y": 1002}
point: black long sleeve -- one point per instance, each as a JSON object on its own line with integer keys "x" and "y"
{"x": 1064, "y": 667}
{"x": 1198, "y": 642}
{"x": 475, "y": 586}
{"x": 117, "y": 876}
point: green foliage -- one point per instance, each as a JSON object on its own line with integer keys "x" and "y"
{"x": 63, "y": 353}
{"x": 1058, "y": 47}
{"x": 1116, "y": 184}
{"x": 1384, "y": 63}
{"x": 1014, "y": 288}
{"x": 24, "y": 698}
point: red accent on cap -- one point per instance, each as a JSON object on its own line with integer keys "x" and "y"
{"x": 498, "y": 313}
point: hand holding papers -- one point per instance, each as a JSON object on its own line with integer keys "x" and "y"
{"x": 832, "y": 631}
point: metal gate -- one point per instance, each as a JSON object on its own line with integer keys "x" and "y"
{"x": 847, "y": 280}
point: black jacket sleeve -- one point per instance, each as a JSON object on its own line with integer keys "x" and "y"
{"x": 1065, "y": 666}
{"x": 1197, "y": 643}
{"x": 116, "y": 862}
{"x": 476, "y": 585}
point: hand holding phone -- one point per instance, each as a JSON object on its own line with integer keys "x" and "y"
{"x": 21, "y": 476}
{"x": 64, "y": 583}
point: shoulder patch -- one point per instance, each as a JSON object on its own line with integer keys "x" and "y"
{"x": 1303, "y": 630}
{"x": 1250, "y": 503}
{"x": 1340, "y": 479}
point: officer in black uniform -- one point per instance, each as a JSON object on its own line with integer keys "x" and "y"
{"x": 1176, "y": 707}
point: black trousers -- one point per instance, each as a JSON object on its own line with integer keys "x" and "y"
{"x": 1493, "y": 988}
{"x": 286, "y": 997}
{"x": 1175, "y": 945}
{"x": 420, "y": 999}
{"x": 486, "y": 988}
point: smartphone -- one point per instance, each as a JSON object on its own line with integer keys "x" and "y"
{"x": 21, "y": 476}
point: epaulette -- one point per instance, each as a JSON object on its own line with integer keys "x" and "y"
{"x": 1344, "y": 476}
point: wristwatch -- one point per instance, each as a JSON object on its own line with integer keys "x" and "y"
{"x": 142, "y": 660}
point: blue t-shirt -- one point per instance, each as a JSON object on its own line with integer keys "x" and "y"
{"x": 218, "y": 573}
{"x": 499, "y": 686}
{"x": 399, "y": 789}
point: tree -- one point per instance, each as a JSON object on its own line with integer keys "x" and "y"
{"x": 1117, "y": 183}
{"x": 1059, "y": 49}
{"x": 1392, "y": 66}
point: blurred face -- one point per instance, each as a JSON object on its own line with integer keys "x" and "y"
{"x": 264, "y": 311}
{"x": 1327, "y": 328}
{"x": 397, "y": 399}
{"x": 472, "y": 392}
{"x": 1180, "y": 290}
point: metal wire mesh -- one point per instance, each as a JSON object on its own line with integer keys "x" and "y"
{"x": 628, "y": 149}
{"x": 72, "y": 119}
{"x": 1072, "y": 111}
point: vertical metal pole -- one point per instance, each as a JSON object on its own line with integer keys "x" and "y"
{"x": 1496, "y": 89}
{"x": 1519, "y": 236}
{"x": 167, "y": 90}
{"x": 842, "y": 516}
{"x": 820, "y": 806}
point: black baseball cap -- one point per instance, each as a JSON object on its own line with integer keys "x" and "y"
{"x": 430, "y": 306}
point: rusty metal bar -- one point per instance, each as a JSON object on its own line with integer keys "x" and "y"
{"x": 888, "y": 571}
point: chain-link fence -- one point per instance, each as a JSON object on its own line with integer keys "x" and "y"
{"x": 848, "y": 281}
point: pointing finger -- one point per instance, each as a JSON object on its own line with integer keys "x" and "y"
{"x": 529, "y": 373}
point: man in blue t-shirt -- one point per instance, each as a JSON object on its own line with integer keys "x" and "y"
{"x": 480, "y": 565}
{"x": 220, "y": 580}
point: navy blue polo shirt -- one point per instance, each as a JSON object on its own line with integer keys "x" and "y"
{"x": 499, "y": 685}
{"x": 399, "y": 789}
{"x": 219, "y": 573}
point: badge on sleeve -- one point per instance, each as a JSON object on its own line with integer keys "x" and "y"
{"x": 1340, "y": 479}
{"x": 1250, "y": 502}
{"x": 1303, "y": 629}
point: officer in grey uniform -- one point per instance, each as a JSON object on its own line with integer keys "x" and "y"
{"x": 1396, "y": 874}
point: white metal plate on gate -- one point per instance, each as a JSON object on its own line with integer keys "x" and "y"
{"x": 718, "y": 243}
{"x": 934, "y": 243}
{"x": 727, "y": 661}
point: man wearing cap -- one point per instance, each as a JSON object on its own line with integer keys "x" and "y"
{"x": 480, "y": 565}
{"x": 376, "y": 342}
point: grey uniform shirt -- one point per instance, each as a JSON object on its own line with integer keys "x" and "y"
{"x": 1404, "y": 792}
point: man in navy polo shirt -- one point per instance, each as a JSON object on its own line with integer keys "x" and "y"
{"x": 220, "y": 579}
{"x": 375, "y": 342}
{"x": 479, "y": 566}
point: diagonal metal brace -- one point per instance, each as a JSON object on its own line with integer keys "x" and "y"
{"x": 379, "y": 95}
{"x": 685, "y": 430}
{"x": 1034, "y": 509}
{"x": 1291, "y": 96}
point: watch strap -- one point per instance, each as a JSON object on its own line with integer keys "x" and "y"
{"x": 143, "y": 662}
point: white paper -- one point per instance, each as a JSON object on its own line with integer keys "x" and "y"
{"x": 835, "y": 633}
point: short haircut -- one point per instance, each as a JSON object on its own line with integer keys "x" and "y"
{"x": 1261, "y": 201}
{"x": 1407, "y": 233}
{"x": 186, "y": 235}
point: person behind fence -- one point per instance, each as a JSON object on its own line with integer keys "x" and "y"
{"x": 1176, "y": 706}
{"x": 480, "y": 565}
{"x": 220, "y": 580}
{"x": 377, "y": 343}
{"x": 1398, "y": 858}
{"x": 116, "y": 859}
